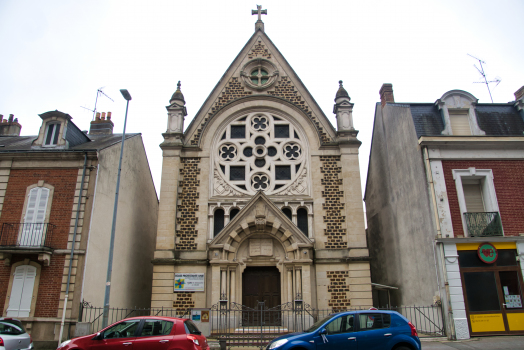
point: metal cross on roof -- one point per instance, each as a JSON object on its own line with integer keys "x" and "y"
{"x": 259, "y": 12}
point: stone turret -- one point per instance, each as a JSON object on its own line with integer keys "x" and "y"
{"x": 176, "y": 111}
{"x": 343, "y": 109}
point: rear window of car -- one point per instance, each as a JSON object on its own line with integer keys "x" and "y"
{"x": 370, "y": 321}
{"x": 191, "y": 328}
{"x": 11, "y": 327}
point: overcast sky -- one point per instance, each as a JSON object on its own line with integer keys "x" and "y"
{"x": 56, "y": 54}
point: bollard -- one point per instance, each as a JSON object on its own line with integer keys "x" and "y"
{"x": 222, "y": 343}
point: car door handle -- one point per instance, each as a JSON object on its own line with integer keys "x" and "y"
{"x": 126, "y": 344}
{"x": 352, "y": 338}
{"x": 163, "y": 341}
{"x": 388, "y": 335}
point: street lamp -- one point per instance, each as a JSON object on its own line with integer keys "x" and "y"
{"x": 127, "y": 97}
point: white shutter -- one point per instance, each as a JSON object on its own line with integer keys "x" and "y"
{"x": 34, "y": 218}
{"x": 459, "y": 124}
{"x": 22, "y": 291}
{"x": 473, "y": 198}
{"x": 27, "y": 292}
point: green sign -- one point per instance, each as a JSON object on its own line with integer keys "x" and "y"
{"x": 487, "y": 253}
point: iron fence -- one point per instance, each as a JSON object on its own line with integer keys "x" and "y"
{"x": 483, "y": 224}
{"x": 27, "y": 235}
{"x": 237, "y": 325}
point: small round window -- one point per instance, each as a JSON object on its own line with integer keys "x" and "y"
{"x": 259, "y": 76}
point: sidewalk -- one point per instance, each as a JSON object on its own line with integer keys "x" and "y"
{"x": 484, "y": 343}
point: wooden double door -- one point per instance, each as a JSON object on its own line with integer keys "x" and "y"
{"x": 261, "y": 284}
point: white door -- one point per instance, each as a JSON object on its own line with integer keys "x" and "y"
{"x": 22, "y": 291}
{"x": 34, "y": 227}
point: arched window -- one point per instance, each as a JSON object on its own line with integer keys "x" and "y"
{"x": 302, "y": 221}
{"x": 22, "y": 291}
{"x": 51, "y": 136}
{"x": 288, "y": 213}
{"x": 233, "y": 213}
{"x": 218, "y": 220}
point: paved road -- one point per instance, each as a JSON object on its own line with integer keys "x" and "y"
{"x": 484, "y": 343}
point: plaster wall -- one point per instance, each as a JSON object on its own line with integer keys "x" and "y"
{"x": 136, "y": 229}
{"x": 400, "y": 221}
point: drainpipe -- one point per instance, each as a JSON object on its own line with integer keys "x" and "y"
{"x": 429, "y": 175}
{"x": 72, "y": 249}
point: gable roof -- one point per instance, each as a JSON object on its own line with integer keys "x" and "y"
{"x": 229, "y": 88}
{"x": 260, "y": 215}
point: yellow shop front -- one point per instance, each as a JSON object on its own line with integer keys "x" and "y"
{"x": 492, "y": 285}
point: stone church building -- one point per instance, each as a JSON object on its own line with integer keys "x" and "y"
{"x": 260, "y": 196}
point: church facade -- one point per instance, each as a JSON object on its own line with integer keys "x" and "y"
{"x": 260, "y": 196}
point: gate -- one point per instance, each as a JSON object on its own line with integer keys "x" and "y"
{"x": 234, "y": 324}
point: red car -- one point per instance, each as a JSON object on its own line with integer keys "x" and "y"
{"x": 143, "y": 333}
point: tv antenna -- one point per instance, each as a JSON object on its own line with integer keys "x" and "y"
{"x": 481, "y": 71}
{"x": 98, "y": 93}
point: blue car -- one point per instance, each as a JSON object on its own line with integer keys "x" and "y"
{"x": 352, "y": 330}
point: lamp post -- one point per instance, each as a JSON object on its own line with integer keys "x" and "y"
{"x": 127, "y": 97}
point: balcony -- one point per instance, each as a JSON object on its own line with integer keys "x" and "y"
{"x": 483, "y": 224}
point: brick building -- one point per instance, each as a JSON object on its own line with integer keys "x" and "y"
{"x": 260, "y": 196}
{"x": 58, "y": 183}
{"x": 444, "y": 200}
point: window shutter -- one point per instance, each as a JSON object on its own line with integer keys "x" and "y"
{"x": 31, "y": 206}
{"x": 473, "y": 197}
{"x": 36, "y": 205}
{"x": 22, "y": 291}
{"x": 459, "y": 124}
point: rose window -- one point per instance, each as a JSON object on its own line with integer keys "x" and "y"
{"x": 260, "y": 152}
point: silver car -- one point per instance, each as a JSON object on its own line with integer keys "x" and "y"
{"x": 13, "y": 335}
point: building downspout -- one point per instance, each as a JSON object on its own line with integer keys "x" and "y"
{"x": 440, "y": 246}
{"x": 73, "y": 249}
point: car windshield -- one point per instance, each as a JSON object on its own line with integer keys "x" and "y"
{"x": 317, "y": 324}
{"x": 11, "y": 327}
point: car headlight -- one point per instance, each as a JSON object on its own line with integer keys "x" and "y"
{"x": 64, "y": 343}
{"x": 277, "y": 343}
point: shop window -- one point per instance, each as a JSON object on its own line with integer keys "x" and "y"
{"x": 302, "y": 221}
{"x": 218, "y": 221}
{"x": 481, "y": 291}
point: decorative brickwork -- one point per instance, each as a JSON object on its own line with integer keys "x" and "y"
{"x": 259, "y": 50}
{"x": 338, "y": 290}
{"x": 183, "y": 302}
{"x": 233, "y": 90}
{"x": 333, "y": 206}
{"x": 508, "y": 177}
{"x": 287, "y": 91}
{"x": 187, "y": 209}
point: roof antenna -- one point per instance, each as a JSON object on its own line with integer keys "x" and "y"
{"x": 98, "y": 93}
{"x": 481, "y": 71}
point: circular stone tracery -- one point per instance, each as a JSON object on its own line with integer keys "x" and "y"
{"x": 260, "y": 152}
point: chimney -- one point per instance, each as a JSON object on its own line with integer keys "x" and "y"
{"x": 101, "y": 126}
{"x": 9, "y": 127}
{"x": 386, "y": 94}
{"x": 519, "y": 94}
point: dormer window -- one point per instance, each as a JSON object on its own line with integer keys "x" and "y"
{"x": 459, "y": 120}
{"x": 52, "y": 132}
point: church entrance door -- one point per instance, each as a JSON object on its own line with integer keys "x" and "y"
{"x": 260, "y": 284}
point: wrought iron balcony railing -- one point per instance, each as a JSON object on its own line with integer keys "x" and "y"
{"x": 483, "y": 224}
{"x": 23, "y": 235}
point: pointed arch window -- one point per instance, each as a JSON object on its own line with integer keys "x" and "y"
{"x": 218, "y": 221}
{"x": 33, "y": 228}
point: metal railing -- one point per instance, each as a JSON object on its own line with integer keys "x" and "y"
{"x": 238, "y": 325}
{"x": 27, "y": 235}
{"x": 94, "y": 315}
{"x": 483, "y": 224}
